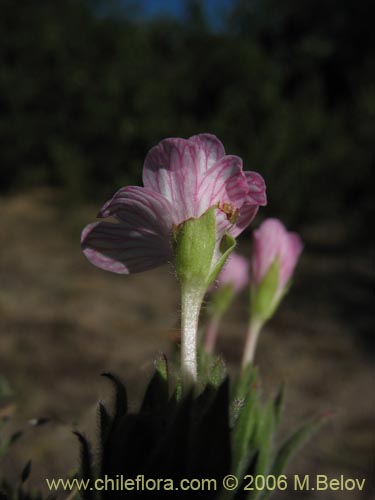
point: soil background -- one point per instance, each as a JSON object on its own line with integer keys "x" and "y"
{"x": 63, "y": 322}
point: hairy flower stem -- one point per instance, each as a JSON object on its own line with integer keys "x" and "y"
{"x": 191, "y": 301}
{"x": 253, "y": 331}
{"x": 213, "y": 327}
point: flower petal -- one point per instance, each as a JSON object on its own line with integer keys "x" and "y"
{"x": 140, "y": 241}
{"x": 171, "y": 170}
{"x": 210, "y": 149}
{"x": 256, "y": 197}
{"x": 123, "y": 250}
{"x": 177, "y": 169}
{"x": 140, "y": 207}
{"x": 257, "y": 188}
{"x": 271, "y": 241}
{"x": 246, "y": 216}
{"x": 223, "y": 184}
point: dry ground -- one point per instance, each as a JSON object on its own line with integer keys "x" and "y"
{"x": 62, "y": 322}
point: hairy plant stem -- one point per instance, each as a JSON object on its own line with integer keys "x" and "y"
{"x": 253, "y": 331}
{"x": 191, "y": 301}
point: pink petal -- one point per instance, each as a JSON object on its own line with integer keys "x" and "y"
{"x": 210, "y": 149}
{"x": 171, "y": 170}
{"x": 272, "y": 241}
{"x": 289, "y": 253}
{"x": 122, "y": 250}
{"x": 256, "y": 197}
{"x": 235, "y": 272}
{"x": 246, "y": 216}
{"x": 223, "y": 184}
{"x": 177, "y": 169}
{"x": 257, "y": 188}
{"x": 140, "y": 241}
{"x": 140, "y": 207}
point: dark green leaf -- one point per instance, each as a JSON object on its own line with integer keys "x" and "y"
{"x": 26, "y": 472}
{"x": 293, "y": 443}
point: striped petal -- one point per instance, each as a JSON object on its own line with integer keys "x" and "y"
{"x": 171, "y": 170}
{"x": 246, "y": 216}
{"x": 224, "y": 185}
{"x": 194, "y": 176}
{"x": 210, "y": 149}
{"x": 256, "y": 197}
{"x": 140, "y": 207}
{"x": 141, "y": 240}
{"x": 257, "y": 189}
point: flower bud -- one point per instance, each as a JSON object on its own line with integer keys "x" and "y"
{"x": 275, "y": 255}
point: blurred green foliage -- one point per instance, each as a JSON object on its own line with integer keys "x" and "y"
{"x": 285, "y": 85}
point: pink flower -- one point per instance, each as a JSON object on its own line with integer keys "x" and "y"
{"x": 272, "y": 241}
{"x": 235, "y": 272}
{"x": 182, "y": 179}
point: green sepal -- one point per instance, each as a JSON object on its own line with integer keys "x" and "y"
{"x": 264, "y": 298}
{"x": 227, "y": 245}
{"x": 194, "y": 248}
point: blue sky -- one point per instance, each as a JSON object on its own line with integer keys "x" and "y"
{"x": 213, "y": 8}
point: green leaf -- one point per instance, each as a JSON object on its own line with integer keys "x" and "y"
{"x": 121, "y": 398}
{"x": 210, "y": 446}
{"x": 105, "y": 423}
{"x": 170, "y": 455}
{"x": 293, "y": 443}
{"x": 156, "y": 396}
{"x": 278, "y": 404}
{"x": 244, "y": 432}
{"x": 26, "y": 472}
{"x": 247, "y": 381}
{"x": 264, "y": 441}
{"x": 161, "y": 366}
{"x": 86, "y": 471}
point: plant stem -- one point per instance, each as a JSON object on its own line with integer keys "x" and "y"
{"x": 253, "y": 331}
{"x": 191, "y": 301}
{"x": 213, "y": 327}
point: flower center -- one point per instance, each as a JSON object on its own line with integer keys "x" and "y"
{"x": 229, "y": 211}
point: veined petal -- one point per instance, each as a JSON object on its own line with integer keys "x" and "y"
{"x": 140, "y": 207}
{"x": 186, "y": 174}
{"x": 172, "y": 170}
{"x": 247, "y": 214}
{"x": 210, "y": 149}
{"x": 257, "y": 188}
{"x": 256, "y": 197}
{"x": 224, "y": 184}
{"x": 140, "y": 241}
{"x": 121, "y": 249}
